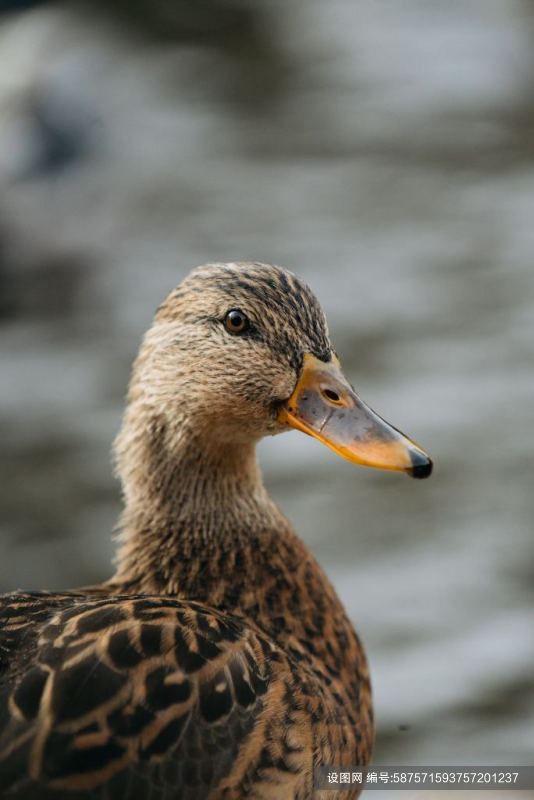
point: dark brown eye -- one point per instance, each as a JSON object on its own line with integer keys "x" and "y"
{"x": 236, "y": 321}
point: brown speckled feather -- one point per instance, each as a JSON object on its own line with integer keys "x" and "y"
{"x": 128, "y": 691}
{"x": 218, "y": 662}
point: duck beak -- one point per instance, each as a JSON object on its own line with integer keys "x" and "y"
{"x": 324, "y": 405}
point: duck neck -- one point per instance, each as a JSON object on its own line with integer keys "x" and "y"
{"x": 199, "y": 525}
{"x": 189, "y": 502}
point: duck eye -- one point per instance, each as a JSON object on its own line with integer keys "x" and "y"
{"x": 236, "y": 321}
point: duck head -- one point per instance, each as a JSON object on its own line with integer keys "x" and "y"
{"x": 240, "y": 351}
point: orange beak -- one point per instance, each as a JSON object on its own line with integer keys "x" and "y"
{"x": 324, "y": 405}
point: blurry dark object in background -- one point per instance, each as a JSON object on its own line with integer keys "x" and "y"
{"x": 241, "y": 31}
{"x": 49, "y": 288}
{"x": 19, "y": 5}
{"x": 226, "y": 23}
{"x": 256, "y": 69}
{"x": 185, "y": 18}
{"x": 60, "y": 133}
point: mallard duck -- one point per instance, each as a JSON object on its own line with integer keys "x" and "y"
{"x": 218, "y": 661}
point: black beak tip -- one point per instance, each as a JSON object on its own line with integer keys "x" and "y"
{"x": 422, "y": 465}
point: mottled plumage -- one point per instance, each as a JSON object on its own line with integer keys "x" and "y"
{"x": 218, "y": 662}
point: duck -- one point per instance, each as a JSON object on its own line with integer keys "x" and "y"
{"x": 218, "y": 661}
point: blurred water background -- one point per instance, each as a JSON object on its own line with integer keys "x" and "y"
{"x": 385, "y": 152}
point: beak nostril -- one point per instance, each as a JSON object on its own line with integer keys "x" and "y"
{"x": 331, "y": 395}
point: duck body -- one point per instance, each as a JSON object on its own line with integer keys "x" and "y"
{"x": 179, "y": 699}
{"x": 218, "y": 662}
